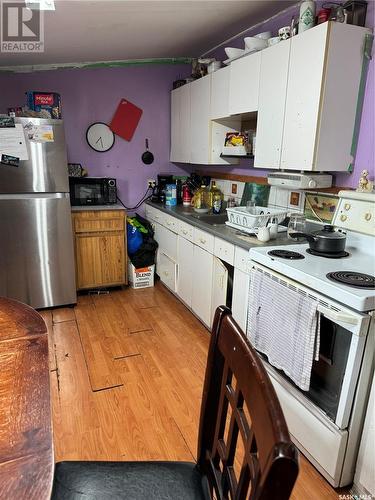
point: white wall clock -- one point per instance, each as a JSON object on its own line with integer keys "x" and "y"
{"x": 100, "y": 137}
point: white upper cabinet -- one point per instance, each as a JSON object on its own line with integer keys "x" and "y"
{"x": 272, "y": 93}
{"x": 220, "y": 93}
{"x": 322, "y": 96}
{"x": 200, "y": 120}
{"x": 180, "y": 124}
{"x": 244, "y": 84}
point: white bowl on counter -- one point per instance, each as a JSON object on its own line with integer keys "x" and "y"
{"x": 232, "y": 52}
{"x": 253, "y": 43}
{"x": 264, "y": 36}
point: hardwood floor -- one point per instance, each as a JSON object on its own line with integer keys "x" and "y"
{"x": 127, "y": 373}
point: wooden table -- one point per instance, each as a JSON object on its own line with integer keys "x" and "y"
{"x": 26, "y": 447}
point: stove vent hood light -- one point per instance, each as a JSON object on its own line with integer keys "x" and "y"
{"x": 40, "y": 4}
{"x": 299, "y": 180}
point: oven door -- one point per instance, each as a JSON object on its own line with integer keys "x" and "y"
{"x": 86, "y": 191}
{"x": 342, "y": 342}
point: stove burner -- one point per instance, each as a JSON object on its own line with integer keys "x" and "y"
{"x": 327, "y": 255}
{"x": 286, "y": 254}
{"x": 351, "y": 278}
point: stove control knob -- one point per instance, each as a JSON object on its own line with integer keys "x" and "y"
{"x": 347, "y": 206}
{"x": 312, "y": 183}
{"x": 343, "y": 217}
{"x": 368, "y": 216}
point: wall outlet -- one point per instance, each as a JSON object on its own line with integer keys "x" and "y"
{"x": 151, "y": 183}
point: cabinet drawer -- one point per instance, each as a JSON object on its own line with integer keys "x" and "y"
{"x": 166, "y": 269}
{"x": 204, "y": 240}
{"x": 98, "y": 221}
{"x": 155, "y": 214}
{"x": 185, "y": 230}
{"x": 169, "y": 222}
{"x": 224, "y": 250}
{"x": 241, "y": 259}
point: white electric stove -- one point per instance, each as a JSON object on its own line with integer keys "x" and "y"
{"x": 326, "y": 421}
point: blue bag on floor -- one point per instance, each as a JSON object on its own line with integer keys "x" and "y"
{"x": 134, "y": 237}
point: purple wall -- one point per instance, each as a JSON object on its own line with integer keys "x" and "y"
{"x": 93, "y": 95}
{"x": 365, "y": 153}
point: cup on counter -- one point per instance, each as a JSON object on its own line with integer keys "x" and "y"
{"x": 250, "y": 207}
{"x": 263, "y": 234}
{"x": 274, "y": 227}
{"x": 284, "y": 33}
{"x": 297, "y": 224}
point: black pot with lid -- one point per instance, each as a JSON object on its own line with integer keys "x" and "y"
{"x": 327, "y": 240}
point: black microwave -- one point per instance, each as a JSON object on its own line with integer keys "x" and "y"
{"x": 92, "y": 190}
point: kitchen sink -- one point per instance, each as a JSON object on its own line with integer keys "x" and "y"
{"x": 212, "y": 219}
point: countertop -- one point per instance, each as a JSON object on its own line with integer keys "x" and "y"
{"x": 221, "y": 231}
{"x": 80, "y": 208}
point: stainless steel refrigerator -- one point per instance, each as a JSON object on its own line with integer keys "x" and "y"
{"x": 36, "y": 240}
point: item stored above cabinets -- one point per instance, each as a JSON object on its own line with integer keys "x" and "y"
{"x": 297, "y": 180}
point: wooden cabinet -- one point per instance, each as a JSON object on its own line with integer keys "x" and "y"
{"x": 180, "y": 125}
{"x": 202, "y": 284}
{"x": 244, "y": 84}
{"x": 322, "y": 96}
{"x": 100, "y": 248}
{"x": 272, "y": 92}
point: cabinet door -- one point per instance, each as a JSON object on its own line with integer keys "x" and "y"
{"x": 185, "y": 255}
{"x": 167, "y": 271}
{"x": 202, "y": 284}
{"x": 185, "y": 138}
{"x": 271, "y": 110}
{"x": 200, "y": 120}
{"x": 100, "y": 259}
{"x": 175, "y": 153}
{"x": 219, "y": 286}
{"x": 180, "y": 124}
{"x": 220, "y": 93}
{"x": 306, "y": 68}
{"x": 244, "y": 84}
{"x": 167, "y": 242}
{"x": 240, "y": 297}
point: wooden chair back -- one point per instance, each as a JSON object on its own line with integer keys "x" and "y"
{"x": 244, "y": 447}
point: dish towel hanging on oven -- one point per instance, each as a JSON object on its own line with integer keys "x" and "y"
{"x": 284, "y": 324}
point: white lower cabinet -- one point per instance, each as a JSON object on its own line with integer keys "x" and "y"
{"x": 167, "y": 271}
{"x": 202, "y": 284}
{"x": 185, "y": 255}
{"x": 240, "y": 297}
{"x": 219, "y": 286}
{"x": 167, "y": 242}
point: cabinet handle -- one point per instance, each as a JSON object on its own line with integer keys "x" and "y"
{"x": 368, "y": 216}
{"x": 203, "y": 241}
{"x": 343, "y": 218}
{"x": 166, "y": 273}
{"x": 347, "y": 206}
{"x": 184, "y": 231}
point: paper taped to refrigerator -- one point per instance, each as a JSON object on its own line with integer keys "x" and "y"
{"x": 13, "y": 142}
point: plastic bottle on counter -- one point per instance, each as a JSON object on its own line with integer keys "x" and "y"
{"x": 186, "y": 195}
{"x": 216, "y": 198}
{"x": 170, "y": 195}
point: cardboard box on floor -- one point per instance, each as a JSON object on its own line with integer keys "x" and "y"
{"x": 142, "y": 277}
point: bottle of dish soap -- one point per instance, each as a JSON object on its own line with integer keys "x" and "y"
{"x": 216, "y": 198}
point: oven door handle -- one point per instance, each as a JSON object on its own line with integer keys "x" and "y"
{"x": 338, "y": 315}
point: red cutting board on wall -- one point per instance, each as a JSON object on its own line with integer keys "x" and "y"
{"x": 126, "y": 119}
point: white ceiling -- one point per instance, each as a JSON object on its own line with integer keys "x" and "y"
{"x": 81, "y": 31}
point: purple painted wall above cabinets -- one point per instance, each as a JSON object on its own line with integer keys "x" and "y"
{"x": 90, "y": 95}
{"x": 365, "y": 158}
